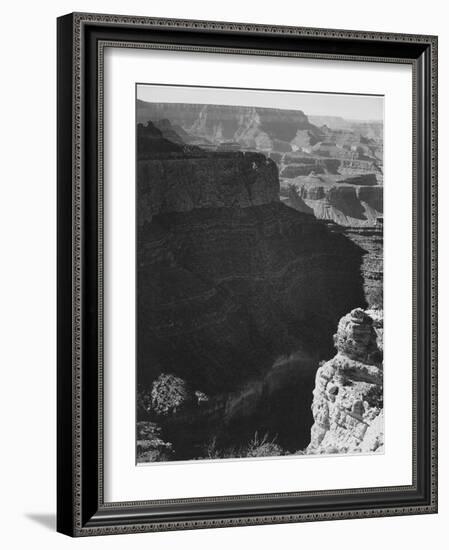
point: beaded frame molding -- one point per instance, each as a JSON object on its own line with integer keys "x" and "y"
{"x": 82, "y": 37}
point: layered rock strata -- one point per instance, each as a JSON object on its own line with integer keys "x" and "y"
{"x": 370, "y": 240}
{"x": 209, "y": 180}
{"x": 254, "y": 127}
{"x": 346, "y": 205}
{"x": 348, "y": 395}
{"x": 230, "y": 280}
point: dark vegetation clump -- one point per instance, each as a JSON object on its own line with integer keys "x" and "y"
{"x": 150, "y": 445}
{"x": 169, "y": 394}
{"x": 375, "y": 397}
{"x": 263, "y": 447}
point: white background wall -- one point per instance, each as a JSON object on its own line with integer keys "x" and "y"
{"x": 28, "y": 282}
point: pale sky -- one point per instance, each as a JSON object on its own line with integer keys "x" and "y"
{"x": 348, "y": 106}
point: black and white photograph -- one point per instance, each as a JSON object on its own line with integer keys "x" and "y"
{"x": 221, "y": 275}
{"x": 259, "y": 276}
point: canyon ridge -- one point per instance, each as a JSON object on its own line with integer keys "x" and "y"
{"x": 259, "y": 283}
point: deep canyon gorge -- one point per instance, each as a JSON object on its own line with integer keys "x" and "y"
{"x": 259, "y": 258}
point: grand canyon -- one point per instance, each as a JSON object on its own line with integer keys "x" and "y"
{"x": 259, "y": 283}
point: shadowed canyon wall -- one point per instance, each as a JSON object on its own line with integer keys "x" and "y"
{"x": 238, "y": 294}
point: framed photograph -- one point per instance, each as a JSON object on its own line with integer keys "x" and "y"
{"x": 246, "y": 274}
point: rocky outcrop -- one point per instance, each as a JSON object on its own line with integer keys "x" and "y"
{"x": 230, "y": 280}
{"x": 345, "y": 205}
{"x": 348, "y": 395}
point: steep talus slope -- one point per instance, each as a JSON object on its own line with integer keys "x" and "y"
{"x": 348, "y": 395}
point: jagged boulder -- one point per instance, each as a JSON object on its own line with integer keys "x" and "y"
{"x": 356, "y": 337}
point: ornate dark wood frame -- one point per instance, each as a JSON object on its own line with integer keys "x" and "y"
{"x": 81, "y": 509}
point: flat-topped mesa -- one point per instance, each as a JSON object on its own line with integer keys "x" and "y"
{"x": 175, "y": 177}
{"x": 348, "y": 396}
{"x": 222, "y": 180}
{"x": 254, "y": 127}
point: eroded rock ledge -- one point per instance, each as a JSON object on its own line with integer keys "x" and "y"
{"x": 348, "y": 396}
